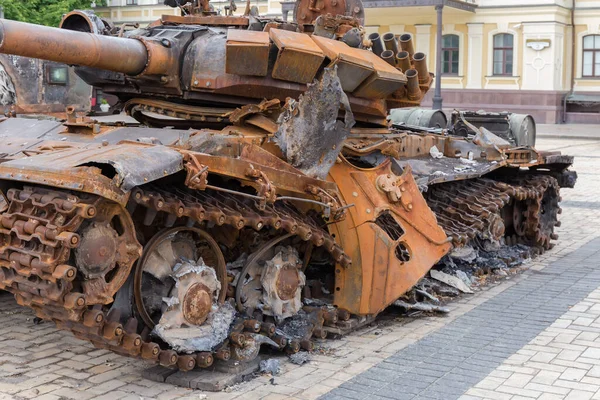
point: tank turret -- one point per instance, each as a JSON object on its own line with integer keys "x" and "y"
{"x": 204, "y": 59}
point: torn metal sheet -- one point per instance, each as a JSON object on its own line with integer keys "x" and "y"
{"x": 310, "y": 135}
{"x": 428, "y": 171}
{"x": 450, "y": 280}
{"x": 421, "y": 307}
{"x": 132, "y": 165}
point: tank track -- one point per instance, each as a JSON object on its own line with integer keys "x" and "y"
{"x": 39, "y": 230}
{"x": 520, "y": 210}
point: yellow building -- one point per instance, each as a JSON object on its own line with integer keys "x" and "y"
{"x": 526, "y": 55}
{"x": 134, "y": 11}
{"x": 144, "y": 12}
{"x": 506, "y": 54}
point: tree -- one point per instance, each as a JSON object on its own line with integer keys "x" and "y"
{"x": 43, "y": 12}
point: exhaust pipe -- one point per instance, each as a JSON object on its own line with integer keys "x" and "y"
{"x": 412, "y": 86}
{"x": 421, "y": 67}
{"x": 403, "y": 61}
{"x": 406, "y": 43}
{"x": 376, "y": 43}
{"x": 389, "y": 57}
{"x": 389, "y": 40}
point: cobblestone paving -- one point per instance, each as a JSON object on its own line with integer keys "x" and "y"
{"x": 447, "y": 363}
{"x": 37, "y": 361}
{"x": 562, "y": 362}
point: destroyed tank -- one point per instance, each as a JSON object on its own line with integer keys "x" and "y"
{"x": 265, "y": 200}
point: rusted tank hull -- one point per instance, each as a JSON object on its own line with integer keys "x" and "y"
{"x": 280, "y": 207}
{"x": 104, "y": 210}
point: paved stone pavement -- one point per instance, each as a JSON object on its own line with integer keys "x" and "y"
{"x": 568, "y": 131}
{"x": 561, "y": 362}
{"x": 516, "y": 339}
{"x": 448, "y": 362}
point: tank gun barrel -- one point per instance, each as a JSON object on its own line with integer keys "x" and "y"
{"x": 129, "y": 56}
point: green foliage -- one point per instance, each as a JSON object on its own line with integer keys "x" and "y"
{"x": 43, "y": 12}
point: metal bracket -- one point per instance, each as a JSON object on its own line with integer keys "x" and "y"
{"x": 197, "y": 174}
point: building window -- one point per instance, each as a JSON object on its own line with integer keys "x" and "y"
{"x": 132, "y": 2}
{"x": 591, "y": 56}
{"x": 57, "y": 75}
{"x": 503, "y": 54}
{"x": 450, "y": 55}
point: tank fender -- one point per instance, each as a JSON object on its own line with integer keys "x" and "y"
{"x": 145, "y": 164}
{"x": 126, "y": 164}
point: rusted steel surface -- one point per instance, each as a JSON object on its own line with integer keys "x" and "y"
{"x": 217, "y": 20}
{"x": 279, "y": 206}
{"x": 127, "y": 165}
{"x": 247, "y": 53}
{"x": 391, "y": 235}
{"x": 308, "y": 11}
{"x": 25, "y": 87}
{"x": 294, "y": 182}
{"x": 52, "y": 217}
{"x": 299, "y": 57}
{"x": 493, "y": 209}
{"x": 352, "y": 68}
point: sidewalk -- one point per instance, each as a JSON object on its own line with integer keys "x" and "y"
{"x": 484, "y": 349}
{"x": 568, "y": 131}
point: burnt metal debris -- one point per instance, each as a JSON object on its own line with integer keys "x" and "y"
{"x": 40, "y": 88}
{"x": 280, "y": 206}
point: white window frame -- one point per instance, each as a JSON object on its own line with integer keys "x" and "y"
{"x": 490, "y": 55}
{"x": 579, "y": 46}
{"x": 461, "y": 49}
